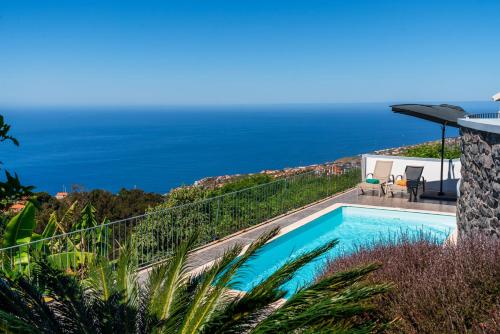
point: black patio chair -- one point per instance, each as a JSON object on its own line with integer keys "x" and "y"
{"x": 414, "y": 180}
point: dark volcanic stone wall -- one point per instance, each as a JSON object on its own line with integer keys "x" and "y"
{"x": 479, "y": 203}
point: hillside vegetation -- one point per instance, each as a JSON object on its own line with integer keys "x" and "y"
{"x": 433, "y": 150}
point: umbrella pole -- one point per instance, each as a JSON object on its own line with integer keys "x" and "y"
{"x": 442, "y": 159}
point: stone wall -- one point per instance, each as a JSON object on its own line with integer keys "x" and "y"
{"x": 478, "y": 207}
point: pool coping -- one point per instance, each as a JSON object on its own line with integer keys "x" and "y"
{"x": 335, "y": 206}
{"x": 322, "y": 212}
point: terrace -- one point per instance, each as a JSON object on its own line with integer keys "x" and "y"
{"x": 207, "y": 254}
{"x": 222, "y": 221}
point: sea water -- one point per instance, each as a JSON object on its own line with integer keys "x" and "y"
{"x": 156, "y": 149}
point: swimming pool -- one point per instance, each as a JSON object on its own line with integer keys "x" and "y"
{"x": 352, "y": 226}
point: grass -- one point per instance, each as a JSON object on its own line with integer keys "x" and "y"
{"x": 438, "y": 289}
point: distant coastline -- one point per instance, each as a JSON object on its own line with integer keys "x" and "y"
{"x": 157, "y": 151}
{"x": 335, "y": 167}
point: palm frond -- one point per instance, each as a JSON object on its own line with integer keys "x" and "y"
{"x": 334, "y": 301}
{"x": 208, "y": 292}
{"x": 216, "y": 282}
{"x": 26, "y": 300}
{"x": 110, "y": 300}
{"x": 111, "y": 290}
{"x": 243, "y": 313}
{"x": 167, "y": 279}
{"x": 15, "y": 312}
{"x": 251, "y": 252}
{"x": 9, "y": 323}
{"x": 126, "y": 273}
{"x": 67, "y": 298}
{"x": 100, "y": 282}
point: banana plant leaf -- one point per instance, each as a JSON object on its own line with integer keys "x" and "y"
{"x": 50, "y": 229}
{"x": 20, "y": 227}
{"x": 67, "y": 218}
{"x": 36, "y": 243}
{"x": 53, "y": 227}
{"x": 71, "y": 260}
{"x": 21, "y": 259}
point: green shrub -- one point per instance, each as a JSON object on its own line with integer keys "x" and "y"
{"x": 433, "y": 150}
{"x": 438, "y": 288}
{"x": 244, "y": 182}
{"x": 215, "y": 217}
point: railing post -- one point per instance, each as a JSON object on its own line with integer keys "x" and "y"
{"x": 217, "y": 212}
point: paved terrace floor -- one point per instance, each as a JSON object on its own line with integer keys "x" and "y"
{"x": 211, "y": 252}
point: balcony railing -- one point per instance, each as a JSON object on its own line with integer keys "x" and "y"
{"x": 157, "y": 233}
{"x": 485, "y": 115}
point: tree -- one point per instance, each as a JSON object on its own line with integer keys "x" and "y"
{"x": 124, "y": 204}
{"x": 111, "y": 300}
{"x": 11, "y": 190}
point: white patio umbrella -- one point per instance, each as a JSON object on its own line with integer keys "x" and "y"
{"x": 496, "y": 97}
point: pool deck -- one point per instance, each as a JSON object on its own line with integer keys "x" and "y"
{"x": 207, "y": 254}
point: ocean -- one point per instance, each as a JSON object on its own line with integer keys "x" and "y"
{"x": 157, "y": 149}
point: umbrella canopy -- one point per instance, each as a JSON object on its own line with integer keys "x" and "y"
{"x": 444, "y": 114}
{"x": 496, "y": 97}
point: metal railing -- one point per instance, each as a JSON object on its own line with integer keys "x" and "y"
{"x": 485, "y": 115}
{"x": 157, "y": 233}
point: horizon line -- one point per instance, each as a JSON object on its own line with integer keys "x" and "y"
{"x": 257, "y": 104}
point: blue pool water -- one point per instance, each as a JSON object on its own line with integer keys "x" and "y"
{"x": 351, "y": 226}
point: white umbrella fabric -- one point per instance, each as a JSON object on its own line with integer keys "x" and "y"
{"x": 496, "y": 97}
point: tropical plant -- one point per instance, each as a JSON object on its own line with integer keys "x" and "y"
{"x": 19, "y": 231}
{"x": 70, "y": 250}
{"x": 111, "y": 300}
{"x": 88, "y": 235}
{"x": 11, "y": 189}
{"x": 4, "y": 132}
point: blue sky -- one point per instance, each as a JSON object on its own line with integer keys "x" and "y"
{"x": 225, "y": 52}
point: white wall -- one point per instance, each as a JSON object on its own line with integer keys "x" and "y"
{"x": 432, "y": 167}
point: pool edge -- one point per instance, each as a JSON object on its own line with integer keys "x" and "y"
{"x": 331, "y": 208}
